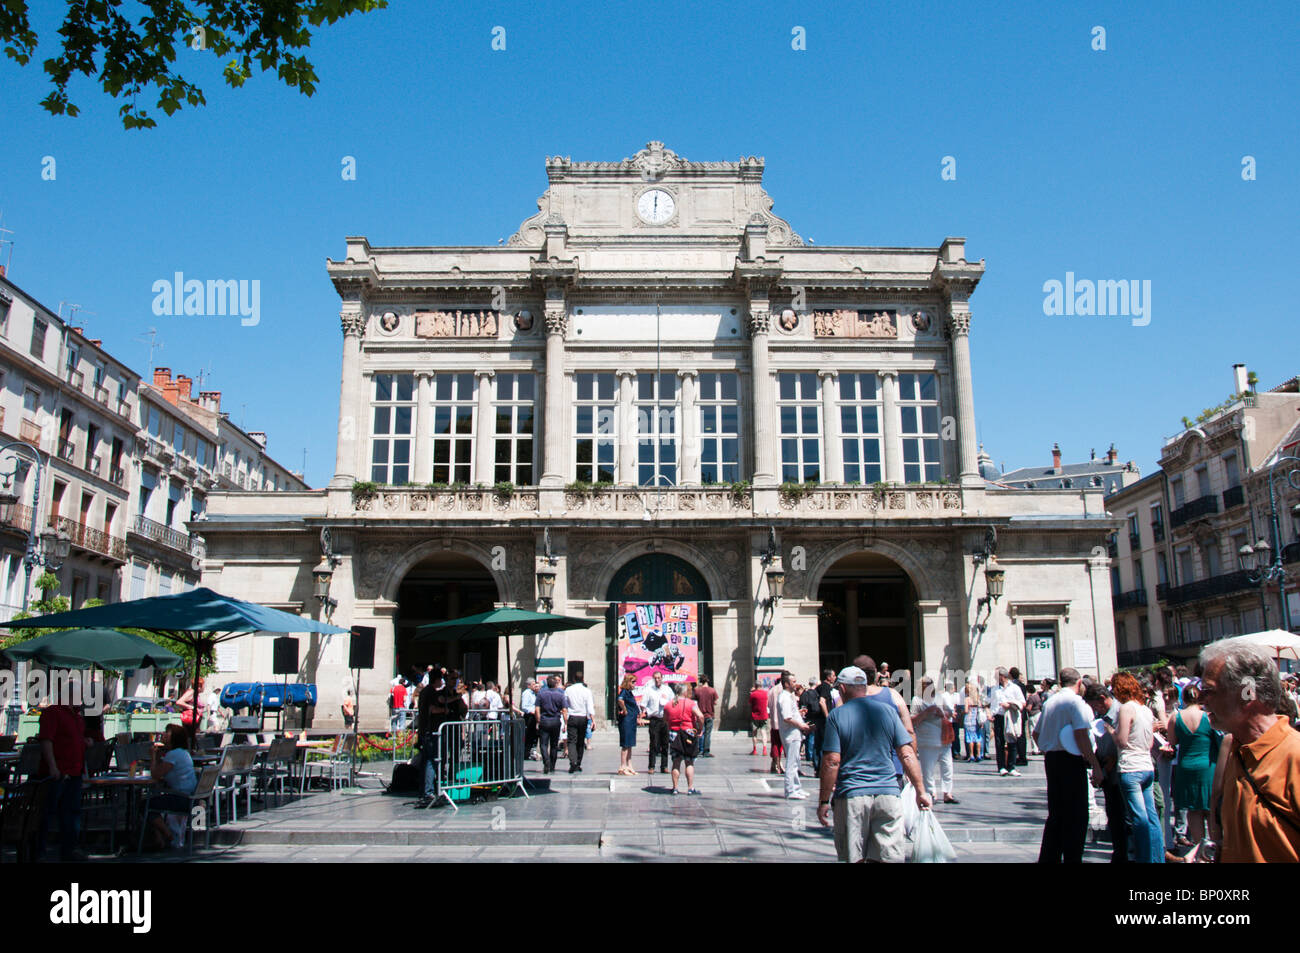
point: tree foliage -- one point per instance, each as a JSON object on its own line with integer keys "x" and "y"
{"x": 128, "y": 57}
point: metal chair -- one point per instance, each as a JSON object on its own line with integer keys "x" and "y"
{"x": 125, "y": 754}
{"x": 235, "y": 775}
{"x": 97, "y": 756}
{"x": 203, "y": 791}
{"x": 21, "y": 815}
{"x": 29, "y": 760}
{"x": 337, "y": 765}
{"x": 277, "y": 767}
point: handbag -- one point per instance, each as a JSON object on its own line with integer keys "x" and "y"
{"x": 946, "y": 734}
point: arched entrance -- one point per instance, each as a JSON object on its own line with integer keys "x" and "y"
{"x": 651, "y": 578}
{"x": 445, "y": 585}
{"x": 868, "y": 607}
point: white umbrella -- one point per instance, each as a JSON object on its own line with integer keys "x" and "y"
{"x": 1281, "y": 643}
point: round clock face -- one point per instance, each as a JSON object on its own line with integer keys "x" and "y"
{"x": 655, "y": 206}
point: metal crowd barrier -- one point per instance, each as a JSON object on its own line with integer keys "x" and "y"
{"x": 478, "y": 753}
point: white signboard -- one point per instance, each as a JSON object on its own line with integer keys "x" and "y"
{"x": 1040, "y": 657}
{"x": 1085, "y": 653}
{"x": 640, "y": 323}
{"x": 228, "y": 656}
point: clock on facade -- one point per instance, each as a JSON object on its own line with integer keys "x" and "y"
{"x": 655, "y": 206}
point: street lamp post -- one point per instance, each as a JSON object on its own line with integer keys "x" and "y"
{"x": 49, "y": 550}
{"x": 1263, "y": 562}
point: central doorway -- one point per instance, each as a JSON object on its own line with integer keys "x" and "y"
{"x": 868, "y": 607}
{"x": 441, "y": 587}
{"x": 656, "y": 577}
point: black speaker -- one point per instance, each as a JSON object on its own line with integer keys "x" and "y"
{"x": 576, "y": 669}
{"x": 361, "y": 652}
{"x": 285, "y": 656}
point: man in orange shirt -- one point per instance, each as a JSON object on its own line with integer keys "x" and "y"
{"x": 1241, "y": 690}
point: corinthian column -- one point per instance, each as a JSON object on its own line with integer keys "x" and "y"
{"x": 959, "y": 333}
{"x": 891, "y": 459}
{"x": 484, "y": 459}
{"x": 352, "y": 415}
{"x": 688, "y": 430}
{"x": 833, "y": 452}
{"x": 760, "y": 319}
{"x": 557, "y": 323}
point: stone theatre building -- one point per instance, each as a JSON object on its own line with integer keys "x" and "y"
{"x": 656, "y": 391}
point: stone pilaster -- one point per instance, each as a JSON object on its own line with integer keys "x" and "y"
{"x": 485, "y": 431}
{"x": 833, "y": 448}
{"x": 423, "y": 463}
{"x": 351, "y": 401}
{"x": 688, "y": 426}
{"x": 765, "y": 440}
{"x": 959, "y": 333}
{"x": 625, "y": 464}
{"x": 891, "y": 445}
{"x": 557, "y": 324}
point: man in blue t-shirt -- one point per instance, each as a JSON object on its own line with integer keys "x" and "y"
{"x": 858, "y": 784}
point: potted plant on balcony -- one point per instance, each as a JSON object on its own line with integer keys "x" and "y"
{"x": 363, "y": 491}
{"x": 740, "y": 492}
{"x": 503, "y": 491}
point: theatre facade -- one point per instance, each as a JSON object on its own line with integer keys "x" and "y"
{"x": 655, "y": 392}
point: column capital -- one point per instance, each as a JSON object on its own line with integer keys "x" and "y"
{"x": 557, "y": 319}
{"x": 890, "y": 373}
{"x": 760, "y": 321}
{"x": 828, "y": 373}
{"x": 690, "y": 372}
{"x": 353, "y": 322}
{"x": 424, "y": 375}
{"x": 483, "y": 372}
{"x": 959, "y": 324}
{"x": 623, "y": 372}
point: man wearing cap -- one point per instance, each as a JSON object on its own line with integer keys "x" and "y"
{"x": 858, "y": 785}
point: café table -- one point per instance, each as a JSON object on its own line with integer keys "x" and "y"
{"x": 115, "y": 782}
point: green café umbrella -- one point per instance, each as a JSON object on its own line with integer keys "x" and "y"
{"x": 81, "y": 648}
{"x": 199, "y": 618}
{"x": 500, "y": 622}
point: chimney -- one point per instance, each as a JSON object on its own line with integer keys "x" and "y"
{"x": 259, "y": 438}
{"x": 161, "y": 376}
{"x": 1092, "y": 454}
{"x": 1239, "y": 385}
{"x": 210, "y": 400}
{"x": 79, "y": 331}
{"x": 1056, "y": 458}
{"x": 1111, "y": 455}
{"x": 183, "y": 386}
{"x": 98, "y": 342}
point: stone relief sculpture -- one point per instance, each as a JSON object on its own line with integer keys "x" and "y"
{"x": 456, "y": 324}
{"x": 847, "y": 323}
{"x": 524, "y": 321}
{"x": 389, "y": 321}
{"x": 789, "y": 320}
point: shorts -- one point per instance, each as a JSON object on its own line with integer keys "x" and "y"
{"x": 675, "y": 748}
{"x": 869, "y": 828}
{"x": 758, "y": 724}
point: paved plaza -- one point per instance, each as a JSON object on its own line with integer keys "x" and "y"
{"x": 600, "y": 816}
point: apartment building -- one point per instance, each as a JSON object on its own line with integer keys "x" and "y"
{"x": 123, "y": 466}
{"x": 1214, "y": 483}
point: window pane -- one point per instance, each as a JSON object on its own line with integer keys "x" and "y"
{"x": 442, "y": 420}
{"x": 789, "y": 420}
{"x": 402, "y": 423}
{"x": 442, "y": 387}
{"x": 785, "y": 383}
{"x": 809, "y": 415}
{"x": 585, "y": 382}
{"x": 605, "y": 386}
{"x": 465, "y": 386}
{"x": 730, "y": 386}
{"x": 381, "y": 419}
{"x": 526, "y": 385}
{"x": 401, "y": 451}
{"x": 731, "y": 419}
{"x": 405, "y": 386}
{"x": 383, "y": 387}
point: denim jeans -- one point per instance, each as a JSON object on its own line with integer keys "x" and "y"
{"x": 706, "y": 738}
{"x": 1143, "y": 819}
{"x": 65, "y": 802}
{"x": 813, "y": 741}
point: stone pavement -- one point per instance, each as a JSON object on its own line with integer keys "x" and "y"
{"x": 598, "y": 815}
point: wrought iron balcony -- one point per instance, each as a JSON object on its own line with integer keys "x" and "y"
{"x": 16, "y": 515}
{"x": 1134, "y": 541}
{"x": 67, "y": 450}
{"x": 1128, "y": 600}
{"x": 1158, "y": 532}
{"x": 1205, "y": 506}
{"x": 95, "y": 540}
{"x": 1291, "y": 553}
{"x": 118, "y": 476}
{"x": 101, "y": 394}
{"x": 159, "y": 533}
{"x": 1162, "y": 591}
{"x": 1215, "y": 586}
{"x": 76, "y": 378}
{"x": 1233, "y": 496}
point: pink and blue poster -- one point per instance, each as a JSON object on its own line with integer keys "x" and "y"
{"x": 659, "y": 637}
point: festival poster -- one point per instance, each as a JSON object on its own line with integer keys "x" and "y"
{"x": 659, "y": 637}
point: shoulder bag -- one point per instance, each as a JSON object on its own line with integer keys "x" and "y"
{"x": 1275, "y": 809}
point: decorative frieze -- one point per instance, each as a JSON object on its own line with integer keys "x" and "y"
{"x": 456, "y": 324}
{"x": 847, "y": 323}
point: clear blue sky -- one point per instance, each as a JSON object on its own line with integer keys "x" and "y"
{"x": 1122, "y": 164}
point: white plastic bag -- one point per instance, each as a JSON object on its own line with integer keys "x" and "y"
{"x": 910, "y": 809}
{"x": 931, "y": 845}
